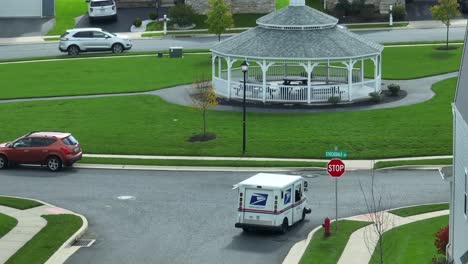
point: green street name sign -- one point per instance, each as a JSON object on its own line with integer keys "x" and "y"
{"x": 336, "y": 154}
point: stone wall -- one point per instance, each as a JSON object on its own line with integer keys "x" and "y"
{"x": 201, "y": 6}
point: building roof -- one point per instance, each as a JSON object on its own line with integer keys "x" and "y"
{"x": 297, "y": 32}
{"x": 297, "y": 16}
{"x": 327, "y": 43}
{"x": 461, "y": 97}
{"x": 270, "y": 180}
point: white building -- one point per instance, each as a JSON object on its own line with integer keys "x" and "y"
{"x": 457, "y": 250}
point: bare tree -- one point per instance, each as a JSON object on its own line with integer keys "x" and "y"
{"x": 376, "y": 203}
{"x": 203, "y": 98}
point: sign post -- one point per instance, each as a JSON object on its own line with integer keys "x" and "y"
{"x": 336, "y": 168}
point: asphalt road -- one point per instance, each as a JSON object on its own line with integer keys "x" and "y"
{"x": 188, "y": 217}
{"x": 51, "y": 49}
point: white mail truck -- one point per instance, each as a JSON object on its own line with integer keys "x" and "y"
{"x": 271, "y": 201}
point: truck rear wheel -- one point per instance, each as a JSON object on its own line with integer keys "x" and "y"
{"x": 284, "y": 226}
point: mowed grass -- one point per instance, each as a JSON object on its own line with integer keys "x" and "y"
{"x": 105, "y": 75}
{"x": 18, "y": 203}
{"x": 145, "y": 124}
{"x": 132, "y": 74}
{"x": 396, "y": 163}
{"x": 420, "y": 209}
{"x": 7, "y": 223}
{"x": 411, "y": 243}
{"x": 65, "y": 13}
{"x": 44, "y": 244}
{"x": 328, "y": 250}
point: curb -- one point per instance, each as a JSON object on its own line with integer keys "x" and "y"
{"x": 298, "y": 249}
{"x": 413, "y": 167}
{"x": 66, "y": 249}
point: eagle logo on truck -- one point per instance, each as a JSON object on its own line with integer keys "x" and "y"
{"x": 258, "y": 199}
{"x": 287, "y": 196}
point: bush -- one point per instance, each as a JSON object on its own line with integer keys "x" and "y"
{"x": 394, "y": 89}
{"x": 368, "y": 12}
{"x": 438, "y": 260}
{"x": 441, "y": 241}
{"x": 376, "y": 97}
{"x": 137, "y": 22}
{"x": 182, "y": 15}
{"x": 153, "y": 16}
{"x": 399, "y": 12}
{"x": 357, "y": 6}
{"x": 343, "y": 7}
{"x": 334, "y": 100}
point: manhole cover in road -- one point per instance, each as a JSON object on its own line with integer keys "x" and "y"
{"x": 126, "y": 197}
{"x": 84, "y": 242}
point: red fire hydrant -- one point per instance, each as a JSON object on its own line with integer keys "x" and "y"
{"x": 326, "y": 226}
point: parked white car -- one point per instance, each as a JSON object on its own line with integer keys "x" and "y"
{"x": 102, "y": 9}
{"x": 79, "y": 40}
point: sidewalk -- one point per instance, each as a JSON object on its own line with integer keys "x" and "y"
{"x": 29, "y": 224}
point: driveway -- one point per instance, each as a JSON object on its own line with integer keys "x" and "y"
{"x": 25, "y": 27}
{"x": 420, "y": 10}
{"x": 126, "y": 16}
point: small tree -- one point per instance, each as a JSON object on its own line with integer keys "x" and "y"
{"x": 445, "y": 11}
{"x": 219, "y": 17}
{"x": 203, "y": 98}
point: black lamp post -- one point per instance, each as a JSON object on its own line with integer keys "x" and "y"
{"x": 245, "y": 68}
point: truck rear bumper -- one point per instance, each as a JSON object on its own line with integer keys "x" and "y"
{"x": 257, "y": 227}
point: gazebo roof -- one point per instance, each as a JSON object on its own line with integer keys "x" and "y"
{"x": 297, "y": 16}
{"x": 297, "y": 32}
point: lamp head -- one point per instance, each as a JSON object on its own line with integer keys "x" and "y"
{"x": 245, "y": 66}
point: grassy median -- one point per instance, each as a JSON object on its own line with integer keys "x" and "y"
{"x": 397, "y": 163}
{"x": 21, "y": 204}
{"x": 43, "y": 245}
{"x": 420, "y": 209}
{"x": 7, "y": 223}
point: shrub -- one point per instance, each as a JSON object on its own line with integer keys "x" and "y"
{"x": 399, "y": 12}
{"x": 357, "y": 6}
{"x": 182, "y": 15}
{"x": 368, "y": 12}
{"x": 441, "y": 241}
{"x": 153, "y": 16}
{"x": 376, "y": 97}
{"x": 438, "y": 260}
{"x": 137, "y": 22}
{"x": 394, "y": 89}
{"x": 343, "y": 7}
{"x": 334, "y": 100}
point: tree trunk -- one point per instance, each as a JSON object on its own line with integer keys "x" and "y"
{"x": 219, "y": 37}
{"x": 446, "y": 46}
{"x": 204, "y": 123}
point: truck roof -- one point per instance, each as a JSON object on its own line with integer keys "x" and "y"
{"x": 270, "y": 180}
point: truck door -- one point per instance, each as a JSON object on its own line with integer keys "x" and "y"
{"x": 298, "y": 202}
{"x": 258, "y": 206}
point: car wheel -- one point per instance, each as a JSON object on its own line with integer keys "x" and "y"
{"x": 117, "y": 48}
{"x": 303, "y": 215}
{"x": 73, "y": 50}
{"x": 3, "y": 162}
{"x": 54, "y": 163}
{"x": 284, "y": 226}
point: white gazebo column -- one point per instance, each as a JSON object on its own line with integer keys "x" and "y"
{"x": 213, "y": 67}
{"x": 380, "y": 72}
{"x": 376, "y": 69}
{"x": 229, "y": 65}
{"x": 362, "y": 73}
{"x": 264, "y": 66}
{"x": 309, "y": 67}
{"x": 219, "y": 66}
{"x": 350, "y": 66}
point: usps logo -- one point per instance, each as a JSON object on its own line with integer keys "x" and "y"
{"x": 287, "y": 196}
{"x": 259, "y": 199}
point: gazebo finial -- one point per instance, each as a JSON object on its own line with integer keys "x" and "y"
{"x": 297, "y": 2}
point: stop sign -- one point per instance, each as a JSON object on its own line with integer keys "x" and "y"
{"x": 336, "y": 168}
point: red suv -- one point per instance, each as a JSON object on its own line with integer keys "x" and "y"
{"x": 54, "y": 149}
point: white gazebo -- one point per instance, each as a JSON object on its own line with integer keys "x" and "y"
{"x": 297, "y": 55}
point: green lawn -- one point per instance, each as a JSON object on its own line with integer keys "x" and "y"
{"x": 388, "y": 164}
{"x": 43, "y": 245}
{"x": 411, "y": 243}
{"x": 17, "y": 203}
{"x": 317, "y": 4}
{"x": 145, "y": 124}
{"x": 421, "y": 209}
{"x": 7, "y": 223}
{"x": 240, "y": 20}
{"x": 218, "y": 163}
{"x": 65, "y": 13}
{"x": 327, "y": 250}
{"x": 131, "y": 74}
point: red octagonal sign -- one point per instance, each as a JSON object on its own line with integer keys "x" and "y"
{"x": 336, "y": 168}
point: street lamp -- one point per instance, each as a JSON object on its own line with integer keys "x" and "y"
{"x": 245, "y": 68}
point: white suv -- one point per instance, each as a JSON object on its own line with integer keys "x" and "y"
{"x": 101, "y": 9}
{"x": 79, "y": 40}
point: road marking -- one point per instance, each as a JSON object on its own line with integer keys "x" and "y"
{"x": 126, "y": 197}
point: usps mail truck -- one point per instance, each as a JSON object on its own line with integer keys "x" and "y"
{"x": 271, "y": 201}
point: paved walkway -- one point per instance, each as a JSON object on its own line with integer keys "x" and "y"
{"x": 362, "y": 242}
{"x": 29, "y": 224}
